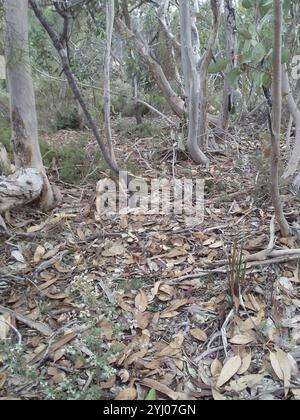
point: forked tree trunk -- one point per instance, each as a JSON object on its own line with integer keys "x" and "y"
{"x": 62, "y": 52}
{"x": 276, "y": 118}
{"x": 175, "y": 102}
{"x": 191, "y": 82}
{"x": 22, "y": 108}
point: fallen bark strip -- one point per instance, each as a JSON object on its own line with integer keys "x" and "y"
{"x": 39, "y": 326}
{"x": 19, "y": 189}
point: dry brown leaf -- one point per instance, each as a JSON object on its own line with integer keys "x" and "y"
{"x": 106, "y": 329}
{"x": 200, "y": 235}
{"x": 216, "y": 368}
{"x": 154, "y": 290}
{"x": 285, "y": 366}
{"x": 216, "y": 245}
{"x": 3, "y": 378}
{"x": 38, "y": 254}
{"x": 177, "y": 252}
{"x": 246, "y": 363}
{"x": 209, "y": 241}
{"x": 164, "y": 389}
{"x": 248, "y": 381}
{"x": 296, "y": 393}
{"x": 114, "y": 251}
{"x": 168, "y": 290}
{"x": 124, "y": 375}
{"x": 61, "y": 268}
{"x": 142, "y": 319}
{"x": 174, "y": 348}
{"x": 48, "y": 283}
{"x": 5, "y": 320}
{"x": 199, "y": 334}
{"x": 169, "y": 314}
{"x": 123, "y": 305}
{"x": 230, "y": 368}
{"x": 217, "y": 396}
{"x": 57, "y": 296}
{"x": 127, "y": 394}
{"x": 55, "y": 346}
{"x": 176, "y": 304}
{"x": 109, "y": 383}
{"x": 141, "y": 301}
{"x": 241, "y": 339}
{"x": 36, "y": 228}
{"x": 276, "y": 366}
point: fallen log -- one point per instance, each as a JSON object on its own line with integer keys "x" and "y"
{"x": 19, "y": 189}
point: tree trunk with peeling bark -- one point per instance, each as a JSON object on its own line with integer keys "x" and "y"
{"x": 22, "y": 188}
{"x": 23, "y": 116}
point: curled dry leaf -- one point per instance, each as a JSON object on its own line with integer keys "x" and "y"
{"x": 230, "y": 368}
{"x": 39, "y": 253}
{"x": 17, "y": 255}
{"x": 124, "y": 375}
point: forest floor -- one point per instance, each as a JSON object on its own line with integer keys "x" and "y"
{"x": 141, "y": 306}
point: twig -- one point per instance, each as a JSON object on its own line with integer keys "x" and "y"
{"x": 14, "y": 329}
{"x": 208, "y": 353}
{"x": 39, "y": 326}
{"x": 224, "y": 332}
{"x": 107, "y": 291}
{"x": 156, "y": 111}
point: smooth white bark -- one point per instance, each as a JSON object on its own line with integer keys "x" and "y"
{"x": 19, "y": 189}
{"x": 22, "y": 100}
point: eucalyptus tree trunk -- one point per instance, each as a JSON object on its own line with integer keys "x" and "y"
{"x": 295, "y": 114}
{"x": 135, "y": 42}
{"x": 231, "y": 48}
{"x": 276, "y": 118}
{"x": 203, "y": 72}
{"x": 28, "y": 159}
{"x": 62, "y": 52}
{"x": 195, "y": 70}
{"x": 190, "y": 60}
{"x": 110, "y": 16}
